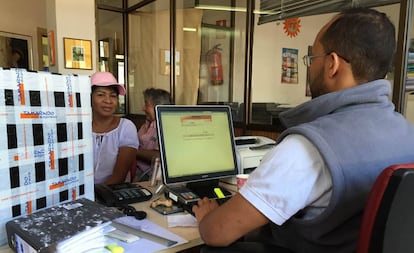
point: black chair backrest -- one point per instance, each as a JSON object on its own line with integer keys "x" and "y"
{"x": 388, "y": 221}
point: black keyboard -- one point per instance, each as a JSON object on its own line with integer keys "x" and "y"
{"x": 187, "y": 198}
{"x": 189, "y": 206}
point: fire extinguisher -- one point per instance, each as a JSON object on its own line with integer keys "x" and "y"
{"x": 215, "y": 66}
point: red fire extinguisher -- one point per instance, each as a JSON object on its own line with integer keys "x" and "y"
{"x": 215, "y": 66}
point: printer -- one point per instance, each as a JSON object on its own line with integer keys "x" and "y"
{"x": 250, "y": 151}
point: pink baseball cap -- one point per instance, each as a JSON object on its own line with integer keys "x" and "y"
{"x": 106, "y": 79}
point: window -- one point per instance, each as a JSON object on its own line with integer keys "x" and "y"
{"x": 111, "y": 53}
{"x": 182, "y": 62}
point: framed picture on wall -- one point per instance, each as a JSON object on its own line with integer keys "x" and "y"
{"x": 78, "y": 53}
{"x": 52, "y": 49}
{"x": 15, "y": 51}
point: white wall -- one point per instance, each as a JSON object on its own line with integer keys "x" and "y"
{"x": 269, "y": 39}
{"x": 74, "y": 19}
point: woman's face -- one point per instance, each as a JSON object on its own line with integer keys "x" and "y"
{"x": 104, "y": 101}
{"x": 149, "y": 109}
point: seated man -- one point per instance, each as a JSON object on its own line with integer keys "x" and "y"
{"x": 147, "y": 134}
{"x": 311, "y": 188}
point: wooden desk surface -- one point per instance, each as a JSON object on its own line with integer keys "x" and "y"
{"x": 189, "y": 233}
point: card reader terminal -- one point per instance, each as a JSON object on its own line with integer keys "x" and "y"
{"x": 181, "y": 194}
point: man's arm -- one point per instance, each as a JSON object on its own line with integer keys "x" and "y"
{"x": 222, "y": 225}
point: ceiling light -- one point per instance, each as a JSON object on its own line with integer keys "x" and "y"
{"x": 220, "y": 8}
{"x": 189, "y": 29}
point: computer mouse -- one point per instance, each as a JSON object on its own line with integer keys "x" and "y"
{"x": 140, "y": 215}
{"x": 131, "y": 211}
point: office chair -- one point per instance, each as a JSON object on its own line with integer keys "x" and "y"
{"x": 388, "y": 220}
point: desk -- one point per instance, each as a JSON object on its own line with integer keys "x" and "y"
{"x": 189, "y": 233}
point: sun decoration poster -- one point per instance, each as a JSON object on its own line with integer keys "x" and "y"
{"x": 292, "y": 26}
{"x": 46, "y": 152}
{"x": 289, "y": 65}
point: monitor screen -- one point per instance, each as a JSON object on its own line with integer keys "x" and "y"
{"x": 196, "y": 143}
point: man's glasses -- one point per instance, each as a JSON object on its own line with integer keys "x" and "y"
{"x": 307, "y": 59}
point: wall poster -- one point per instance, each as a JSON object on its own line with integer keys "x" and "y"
{"x": 289, "y": 65}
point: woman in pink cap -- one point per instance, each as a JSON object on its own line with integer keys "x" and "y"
{"x": 115, "y": 139}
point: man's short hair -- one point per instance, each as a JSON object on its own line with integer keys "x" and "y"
{"x": 366, "y": 38}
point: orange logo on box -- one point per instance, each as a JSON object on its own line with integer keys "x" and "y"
{"x": 57, "y": 185}
{"x": 29, "y": 116}
{"x": 70, "y": 100}
{"x": 74, "y": 194}
{"x": 52, "y": 159}
{"x": 29, "y": 207}
{"x": 21, "y": 91}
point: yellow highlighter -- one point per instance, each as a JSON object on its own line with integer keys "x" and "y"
{"x": 219, "y": 193}
{"x": 114, "y": 248}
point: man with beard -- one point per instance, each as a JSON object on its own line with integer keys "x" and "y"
{"x": 309, "y": 191}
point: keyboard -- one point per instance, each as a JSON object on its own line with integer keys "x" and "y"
{"x": 189, "y": 207}
{"x": 187, "y": 198}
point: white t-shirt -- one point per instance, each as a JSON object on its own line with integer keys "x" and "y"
{"x": 106, "y": 147}
{"x": 290, "y": 177}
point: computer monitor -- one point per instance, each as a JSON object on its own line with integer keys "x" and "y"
{"x": 196, "y": 143}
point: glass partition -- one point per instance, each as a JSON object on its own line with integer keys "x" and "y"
{"x": 111, "y": 52}
{"x": 134, "y": 2}
{"x": 148, "y": 51}
{"x": 206, "y": 52}
{"x": 405, "y": 95}
{"x": 279, "y": 77}
{"x": 214, "y": 52}
{"x": 111, "y": 3}
{"x": 223, "y": 54}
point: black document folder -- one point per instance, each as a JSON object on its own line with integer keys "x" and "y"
{"x": 42, "y": 231}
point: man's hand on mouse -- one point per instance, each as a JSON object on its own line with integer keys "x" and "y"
{"x": 203, "y": 207}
